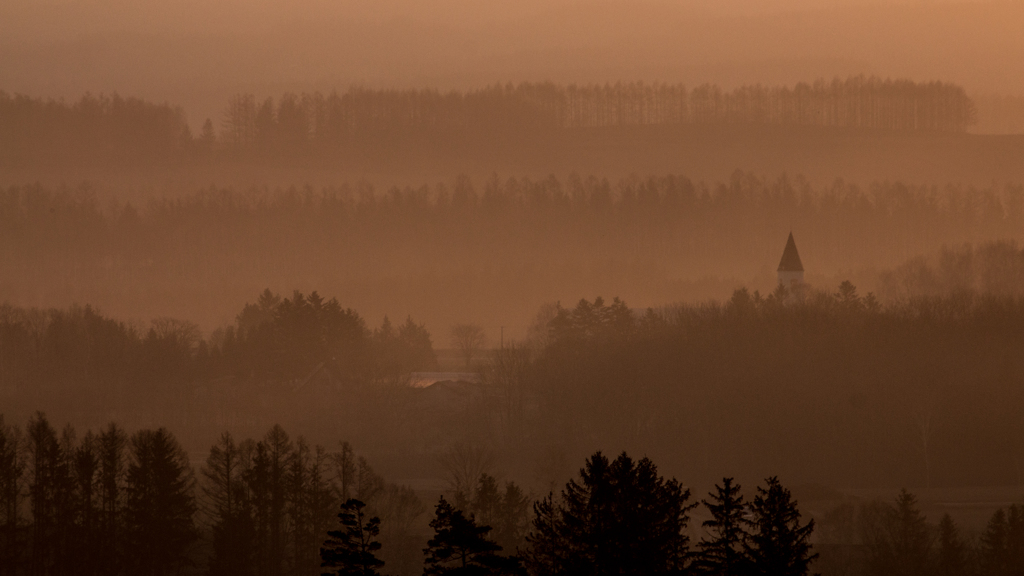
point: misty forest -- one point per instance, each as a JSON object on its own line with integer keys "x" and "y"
{"x": 560, "y": 288}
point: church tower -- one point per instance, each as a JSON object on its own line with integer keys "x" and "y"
{"x": 791, "y": 270}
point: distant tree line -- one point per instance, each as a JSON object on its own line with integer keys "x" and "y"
{"x": 110, "y": 504}
{"x": 856, "y": 102}
{"x": 455, "y": 241}
{"x": 894, "y": 387}
{"x": 990, "y": 268}
{"x": 93, "y": 129}
{"x": 80, "y": 360}
{"x": 103, "y": 129}
{"x": 877, "y": 538}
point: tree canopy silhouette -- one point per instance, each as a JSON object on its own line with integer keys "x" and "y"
{"x": 351, "y": 551}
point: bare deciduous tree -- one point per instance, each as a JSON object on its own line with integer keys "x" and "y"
{"x": 468, "y": 339}
{"x": 508, "y": 375}
{"x": 463, "y": 466}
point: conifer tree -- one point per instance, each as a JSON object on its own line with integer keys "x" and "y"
{"x": 952, "y": 560}
{"x": 1015, "y": 539}
{"x": 351, "y": 551}
{"x": 722, "y": 553}
{"x": 85, "y": 466}
{"x": 910, "y": 537}
{"x": 111, "y": 447}
{"x": 227, "y": 505}
{"x": 160, "y": 505}
{"x": 505, "y": 511}
{"x": 778, "y": 545}
{"x": 46, "y": 462}
{"x": 461, "y": 548}
{"x": 279, "y": 454}
{"x": 620, "y": 517}
{"x": 12, "y": 467}
{"x": 995, "y": 545}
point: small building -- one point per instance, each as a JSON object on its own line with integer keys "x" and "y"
{"x": 791, "y": 270}
{"x": 428, "y": 379}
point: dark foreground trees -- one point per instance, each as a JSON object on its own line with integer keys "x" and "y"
{"x": 778, "y": 544}
{"x": 721, "y": 552}
{"x": 461, "y": 547}
{"x": 352, "y": 550}
{"x": 620, "y": 517}
{"x": 112, "y": 505}
{"x": 160, "y": 507}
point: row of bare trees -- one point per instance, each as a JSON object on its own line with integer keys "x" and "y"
{"x": 90, "y": 129}
{"x": 116, "y": 129}
{"x": 856, "y": 102}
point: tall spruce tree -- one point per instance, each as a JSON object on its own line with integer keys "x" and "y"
{"x": 910, "y": 537}
{"x": 12, "y": 468}
{"x": 112, "y": 443}
{"x": 722, "y": 552}
{"x": 952, "y": 557}
{"x": 1015, "y": 539}
{"x": 46, "y": 462}
{"x": 777, "y": 545}
{"x": 227, "y": 505}
{"x": 160, "y": 507}
{"x": 352, "y": 550}
{"x": 279, "y": 452}
{"x": 1002, "y": 543}
{"x": 85, "y": 467}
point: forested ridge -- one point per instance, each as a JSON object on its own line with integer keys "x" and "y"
{"x": 650, "y": 240}
{"x": 132, "y": 132}
{"x": 861, "y": 392}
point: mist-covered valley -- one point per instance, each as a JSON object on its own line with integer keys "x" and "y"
{"x": 568, "y": 288}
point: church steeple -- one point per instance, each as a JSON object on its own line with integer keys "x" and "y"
{"x": 791, "y": 269}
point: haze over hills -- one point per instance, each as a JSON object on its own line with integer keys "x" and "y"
{"x": 197, "y": 54}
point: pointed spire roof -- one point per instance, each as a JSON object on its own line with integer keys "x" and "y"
{"x": 790, "y": 257}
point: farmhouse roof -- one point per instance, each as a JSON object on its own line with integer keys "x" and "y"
{"x": 790, "y": 257}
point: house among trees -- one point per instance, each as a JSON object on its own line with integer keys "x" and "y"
{"x": 791, "y": 270}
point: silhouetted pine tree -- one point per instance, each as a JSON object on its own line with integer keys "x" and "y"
{"x": 111, "y": 447}
{"x": 87, "y": 534}
{"x": 67, "y": 555}
{"x": 461, "y": 548}
{"x": 777, "y": 545}
{"x": 621, "y": 517}
{"x": 1002, "y": 543}
{"x": 312, "y": 500}
{"x": 319, "y": 497}
{"x": 722, "y": 552}
{"x": 1015, "y": 539}
{"x": 952, "y": 560}
{"x": 46, "y": 462}
{"x": 257, "y": 481}
{"x": 911, "y": 537}
{"x": 898, "y": 539}
{"x": 351, "y": 551}
{"x": 12, "y": 467}
{"x": 279, "y": 452}
{"x": 159, "y": 512}
{"x": 507, "y": 512}
{"x": 228, "y": 506}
